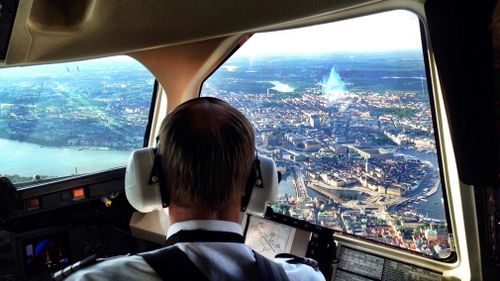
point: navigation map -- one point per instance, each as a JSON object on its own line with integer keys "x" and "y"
{"x": 269, "y": 238}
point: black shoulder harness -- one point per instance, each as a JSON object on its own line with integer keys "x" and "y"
{"x": 171, "y": 263}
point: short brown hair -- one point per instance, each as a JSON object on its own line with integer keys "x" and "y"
{"x": 207, "y": 149}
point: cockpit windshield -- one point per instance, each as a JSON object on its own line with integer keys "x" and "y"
{"x": 72, "y": 118}
{"x": 345, "y": 111}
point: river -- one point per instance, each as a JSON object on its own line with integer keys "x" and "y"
{"x": 433, "y": 207}
{"x": 286, "y": 186}
{"x": 27, "y": 159}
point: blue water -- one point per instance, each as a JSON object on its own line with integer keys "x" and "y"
{"x": 27, "y": 159}
{"x": 434, "y": 206}
{"x": 286, "y": 187}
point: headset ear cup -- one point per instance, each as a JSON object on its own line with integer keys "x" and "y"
{"x": 142, "y": 186}
{"x": 265, "y": 187}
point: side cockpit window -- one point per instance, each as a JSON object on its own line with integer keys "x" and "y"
{"x": 345, "y": 111}
{"x": 72, "y": 118}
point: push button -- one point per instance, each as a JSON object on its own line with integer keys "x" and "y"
{"x": 32, "y": 203}
{"x": 78, "y": 193}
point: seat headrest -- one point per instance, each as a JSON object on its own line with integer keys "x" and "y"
{"x": 144, "y": 195}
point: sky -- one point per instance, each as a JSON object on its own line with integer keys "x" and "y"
{"x": 394, "y": 30}
{"x": 69, "y": 67}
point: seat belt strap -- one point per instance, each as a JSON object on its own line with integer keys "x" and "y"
{"x": 269, "y": 270}
{"x": 172, "y": 263}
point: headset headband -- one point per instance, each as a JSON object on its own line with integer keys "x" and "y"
{"x": 254, "y": 180}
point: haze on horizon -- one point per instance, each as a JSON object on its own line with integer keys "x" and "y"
{"x": 397, "y": 30}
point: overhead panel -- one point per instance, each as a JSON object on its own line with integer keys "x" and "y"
{"x": 57, "y": 30}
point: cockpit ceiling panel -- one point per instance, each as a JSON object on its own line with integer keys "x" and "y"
{"x": 58, "y": 30}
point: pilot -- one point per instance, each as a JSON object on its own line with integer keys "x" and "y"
{"x": 207, "y": 151}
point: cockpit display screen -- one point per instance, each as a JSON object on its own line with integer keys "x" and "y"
{"x": 360, "y": 266}
{"x": 270, "y": 238}
{"x": 46, "y": 253}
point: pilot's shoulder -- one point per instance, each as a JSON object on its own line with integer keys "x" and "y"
{"x": 117, "y": 268}
{"x": 300, "y": 271}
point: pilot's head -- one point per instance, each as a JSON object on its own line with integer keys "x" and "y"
{"x": 207, "y": 149}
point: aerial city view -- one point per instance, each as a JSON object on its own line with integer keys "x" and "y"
{"x": 353, "y": 136}
{"x": 72, "y": 118}
{"x": 350, "y": 129}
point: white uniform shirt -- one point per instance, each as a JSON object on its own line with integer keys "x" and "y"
{"x": 217, "y": 260}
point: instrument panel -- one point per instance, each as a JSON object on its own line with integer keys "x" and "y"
{"x": 53, "y": 225}
{"x": 277, "y": 234}
{"x": 34, "y": 255}
{"x": 76, "y": 218}
{"x": 361, "y": 266}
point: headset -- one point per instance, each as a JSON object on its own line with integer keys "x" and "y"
{"x": 146, "y": 190}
